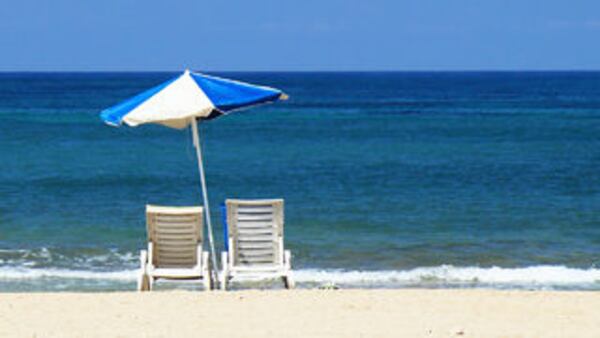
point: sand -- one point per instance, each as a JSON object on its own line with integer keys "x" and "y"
{"x": 303, "y": 313}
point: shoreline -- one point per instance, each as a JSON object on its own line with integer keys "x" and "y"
{"x": 303, "y": 313}
{"x": 540, "y": 277}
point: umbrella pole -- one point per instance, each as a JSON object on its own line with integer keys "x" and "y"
{"x": 196, "y": 138}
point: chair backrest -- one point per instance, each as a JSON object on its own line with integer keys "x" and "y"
{"x": 175, "y": 233}
{"x": 255, "y": 230}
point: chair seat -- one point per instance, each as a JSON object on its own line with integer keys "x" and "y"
{"x": 255, "y": 276}
{"x": 181, "y": 273}
{"x": 258, "y": 268}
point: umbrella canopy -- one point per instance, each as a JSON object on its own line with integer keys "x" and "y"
{"x": 184, "y": 100}
{"x": 189, "y": 96}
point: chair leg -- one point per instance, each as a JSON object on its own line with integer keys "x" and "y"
{"x": 207, "y": 282}
{"x": 225, "y": 272}
{"x": 288, "y": 281}
{"x": 143, "y": 283}
{"x": 206, "y": 275}
{"x": 224, "y": 280}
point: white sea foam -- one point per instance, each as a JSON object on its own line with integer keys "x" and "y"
{"x": 44, "y": 257}
{"x": 446, "y": 275}
{"x": 21, "y": 273}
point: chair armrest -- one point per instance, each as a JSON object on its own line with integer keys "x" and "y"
{"x": 224, "y": 260}
{"x": 143, "y": 259}
{"x": 199, "y": 256}
{"x": 287, "y": 259}
{"x": 150, "y": 255}
{"x": 205, "y": 260}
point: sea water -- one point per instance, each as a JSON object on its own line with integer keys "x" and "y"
{"x": 403, "y": 179}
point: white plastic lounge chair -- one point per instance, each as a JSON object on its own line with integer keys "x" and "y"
{"x": 174, "y": 246}
{"x": 255, "y": 231}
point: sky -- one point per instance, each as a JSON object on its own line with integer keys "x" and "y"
{"x": 306, "y": 35}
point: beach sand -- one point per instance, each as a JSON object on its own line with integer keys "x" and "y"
{"x": 303, "y": 313}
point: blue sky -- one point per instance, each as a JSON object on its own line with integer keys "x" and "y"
{"x": 127, "y": 35}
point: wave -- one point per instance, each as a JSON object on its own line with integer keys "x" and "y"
{"x": 535, "y": 277}
{"x": 66, "y": 259}
{"x": 20, "y": 273}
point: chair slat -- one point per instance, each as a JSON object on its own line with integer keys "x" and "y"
{"x": 176, "y": 219}
{"x": 264, "y": 260}
{"x": 256, "y": 231}
{"x": 175, "y": 255}
{"x": 255, "y": 217}
{"x": 192, "y": 230}
{"x": 266, "y": 209}
{"x": 255, "y": 239}
{"x": 256, "y": 224}
{"x": 177, "y": 245}
{"x": 255, "y": 245}
{"x": 176, "y": 237}
{"x": 257, "y": 252}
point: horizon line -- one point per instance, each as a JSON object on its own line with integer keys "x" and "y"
{"x": 312, "y": 71}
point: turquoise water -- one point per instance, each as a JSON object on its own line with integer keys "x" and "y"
{"x": 389, "y": 179}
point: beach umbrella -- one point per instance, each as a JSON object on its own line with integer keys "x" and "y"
{"x": 185, "y": 101}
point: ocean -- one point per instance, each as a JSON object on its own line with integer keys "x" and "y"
{"x": 390, "y": 180}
